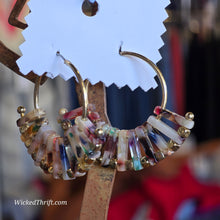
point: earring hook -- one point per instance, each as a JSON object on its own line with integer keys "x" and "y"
{"x": 156, "y": 69}
{"x": 36, "y": 92}
{"x": 83, "y": 87}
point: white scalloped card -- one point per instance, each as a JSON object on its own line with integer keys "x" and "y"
{"x": 92, "y": 43}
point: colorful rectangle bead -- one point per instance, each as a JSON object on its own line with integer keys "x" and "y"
{"x": 145, "y": 142}
{"x": 178, "y": 119}
{"x": 122, "y": 153}
{"x": 165, "y": 129}
{"x": 134, "y": 151}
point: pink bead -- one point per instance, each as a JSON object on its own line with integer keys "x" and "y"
{"x": 93, "y": 116}
{"x": 57, "y": 165}
{"x": 73, "y": 114}
{"x": 157, "y": 110}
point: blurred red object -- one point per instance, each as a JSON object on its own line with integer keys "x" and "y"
{"x": 163, "y": 197}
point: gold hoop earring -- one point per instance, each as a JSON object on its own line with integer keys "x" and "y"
{"x": 63, "y": 157}
{"x": 156, "y": 137}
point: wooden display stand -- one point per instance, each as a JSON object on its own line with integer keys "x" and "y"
{"x": 100, "y": 180}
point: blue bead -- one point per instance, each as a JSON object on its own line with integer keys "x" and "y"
{"x": 137, "y": 164}
{"x": 64, "y": 158}
{"x": 153, "y": 137}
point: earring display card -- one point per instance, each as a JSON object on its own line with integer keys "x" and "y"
{"x": 89, "y": 34}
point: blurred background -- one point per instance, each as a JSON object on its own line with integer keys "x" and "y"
{"x": 183, "y": 186}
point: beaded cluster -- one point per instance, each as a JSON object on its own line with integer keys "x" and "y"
{"x": 90, "y": 141}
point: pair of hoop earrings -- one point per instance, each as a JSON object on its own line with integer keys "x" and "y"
{"x": 89, "y": 141}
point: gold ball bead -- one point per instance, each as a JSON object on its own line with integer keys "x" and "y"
{"x": 44, "y": 165}
{"x": 81, "y": 168}
{"x": 50, "y": 170}
{"x": 28, "y": 143}
{"x": 189, "y": 116}
{"x": 184, "y": 132}
{"x": 145, "y": 162}
{"x": 70, "y": 173}
{"x": 98, "y": 146}
{"x": 65, "y": 125}
{"x": 21, "y": 110}
{"x": 172, "y": 145}
{"x": 63, "y": 111}
{"x": 88, "y": 161}
{"x": 99, "y": 132}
